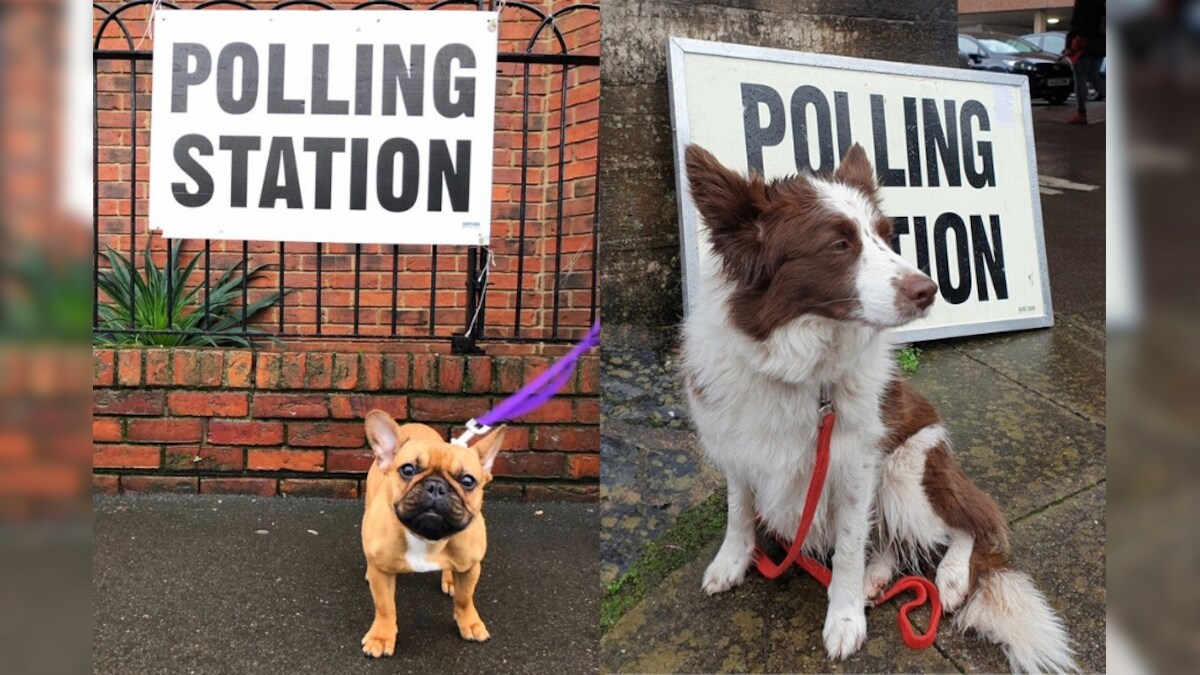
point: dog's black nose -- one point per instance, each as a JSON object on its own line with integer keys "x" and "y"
{"x": 436, "y": 487}
{"x": 920, "y": 290}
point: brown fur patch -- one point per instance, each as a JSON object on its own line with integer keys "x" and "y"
{"x": 984, "y": 561}
{"x": 905, "y": 412}
{"x": 856, "y": 171}
{"x": 731, "y": 205}
{"x": 885, "y": 228}
{"x": 963, "y": 506}
{"x": 786, "y": 252}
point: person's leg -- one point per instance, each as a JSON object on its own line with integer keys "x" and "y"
{"x": 1082, "y": 70}
{"x": 1094, "y": 77}
{"x": 1081, "y": 77}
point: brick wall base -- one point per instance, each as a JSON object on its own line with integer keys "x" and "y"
{"x": 289, "y": 421}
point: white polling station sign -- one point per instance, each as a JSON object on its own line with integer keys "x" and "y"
{"x": 953, "y": 150}
{"x": 329, "y": 126}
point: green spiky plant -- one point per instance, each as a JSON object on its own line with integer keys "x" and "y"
{"x": 184, "y": 306}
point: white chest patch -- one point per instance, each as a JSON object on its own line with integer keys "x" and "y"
{"x": 417, "y": 554}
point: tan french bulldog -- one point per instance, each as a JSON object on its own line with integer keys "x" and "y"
{"x": 423, "y": 514}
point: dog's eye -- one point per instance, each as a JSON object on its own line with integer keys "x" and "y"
{"x": 841, "y": 245}
{"x": 408, "y": 471}
{"x": 467, "y": 481}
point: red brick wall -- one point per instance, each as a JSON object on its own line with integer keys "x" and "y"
{"x": 290, "y": 421}
{"x": 581, "y": 34}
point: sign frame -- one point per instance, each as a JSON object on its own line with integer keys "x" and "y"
{"x": 359, "y": 219}
{"x": 690, "y": 230}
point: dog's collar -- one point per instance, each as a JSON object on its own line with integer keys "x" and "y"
{"x": 826, "y": 402}
{"x": 474, "y": 429}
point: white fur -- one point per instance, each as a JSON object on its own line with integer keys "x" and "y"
{"x": 954, "y": 572}
{"x": 880, "y": 572}
{"x": 1008, "y": 609}
{"x": 905, "y": 514}
{"x": 879, "y": 267}
{"x": 758, "y": 422}
{"x": 417, "y": 554}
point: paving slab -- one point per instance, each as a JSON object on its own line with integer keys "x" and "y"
{"x": 188, "y": 584}
{"x": 1019, "y": 446}
{"x": 649, "y": 476}
{"x": 1065, "y": 363}
{"x": 1094, "y": 320}
{"x": 769, "y": 626}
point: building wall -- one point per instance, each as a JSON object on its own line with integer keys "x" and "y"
{"x": 640, "y": 246}
{"x": 976, "y": 6}
{"x": 1017, "y": 17}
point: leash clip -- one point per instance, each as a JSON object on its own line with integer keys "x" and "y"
{"x": 826, "y": 399}
{"x": 473, "y": 429}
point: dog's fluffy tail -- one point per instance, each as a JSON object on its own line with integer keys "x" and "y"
{"x": 1008, "y": 609}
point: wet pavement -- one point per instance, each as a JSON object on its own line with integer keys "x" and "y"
{"x": 206, "y": 584}
{"x": 1027, "y": 416}
{"x": 1073, "y": 219}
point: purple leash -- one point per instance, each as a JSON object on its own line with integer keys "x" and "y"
{"x": 532, "y": 395}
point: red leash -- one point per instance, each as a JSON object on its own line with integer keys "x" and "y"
{"x": 924, "y": 589}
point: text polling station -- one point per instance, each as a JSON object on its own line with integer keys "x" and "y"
{"x": 323, "y": 126}
{"x": 952, "y": 150}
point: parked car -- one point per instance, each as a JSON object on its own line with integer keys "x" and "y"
{"x": 1050, "y": 76}
{"x": 1055, "y": 42}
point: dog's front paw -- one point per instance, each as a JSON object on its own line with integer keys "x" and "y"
{"x": 448, "y": 583}
{"x": 725, "y": 572}
{"x": 845, "y": 631}
{"x": 379, "y": 642}
{"x": 473, "y": 629}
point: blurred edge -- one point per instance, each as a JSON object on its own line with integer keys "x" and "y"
{"x": 45, "y": 309}
{"x": 1153, "y": 295}
{"x": 45, "y": 268}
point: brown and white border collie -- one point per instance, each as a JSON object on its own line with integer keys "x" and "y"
{"x": 805, "y": 287}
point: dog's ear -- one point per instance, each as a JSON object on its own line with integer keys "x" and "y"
{"x": 385, "y": 437}
{"x": 488, "y": 447}
{"x": 856, "y": 170}
{"x": 731, "y": 205}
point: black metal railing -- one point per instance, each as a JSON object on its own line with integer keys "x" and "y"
{"x": 546, "y": 47}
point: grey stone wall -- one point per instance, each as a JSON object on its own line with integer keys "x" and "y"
{"x": 639, "y": 241}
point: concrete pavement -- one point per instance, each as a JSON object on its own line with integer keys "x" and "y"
{"x": 233, "y": 584}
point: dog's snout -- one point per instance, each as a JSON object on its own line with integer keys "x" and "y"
{"x": 920, "y": 290}
{"x": 436, "y": 487}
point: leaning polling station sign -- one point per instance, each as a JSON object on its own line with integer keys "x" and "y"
{"x": 329, "y": 126}
{"x": 953, "y": 151}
